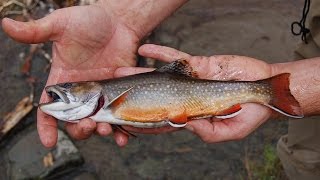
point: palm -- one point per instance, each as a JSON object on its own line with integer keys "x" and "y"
{"x": 82, "y": 53}
{"x": 90, "y": 43}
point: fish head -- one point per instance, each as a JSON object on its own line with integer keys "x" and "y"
{"x": 73, "y": 101}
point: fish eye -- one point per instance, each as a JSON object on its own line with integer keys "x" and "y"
{"x": 66, "y": 85}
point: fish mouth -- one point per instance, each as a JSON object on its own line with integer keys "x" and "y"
{"x": 56, "y": 94}
{"x": 62, "y": 108}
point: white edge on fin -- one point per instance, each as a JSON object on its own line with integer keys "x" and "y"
{"x": 282, "y": 112}
{"x": 124, "y": 92}
{"x": 176, "y": 125}
{"x": 229, "y": 115}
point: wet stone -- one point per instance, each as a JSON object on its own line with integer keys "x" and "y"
{"x": 29, "y": 159}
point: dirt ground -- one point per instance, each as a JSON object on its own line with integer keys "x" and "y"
{"x": 259, "y": 29}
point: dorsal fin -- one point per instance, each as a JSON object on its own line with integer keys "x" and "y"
{"x": 180, "y": 66}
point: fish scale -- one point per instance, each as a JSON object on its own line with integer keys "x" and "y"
{"x": 196, "y": 97}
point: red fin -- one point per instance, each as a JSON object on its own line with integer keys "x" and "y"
{"x": 119, "y": 100}
{"x": 230, "y": 112}
{"x": 179, "y": 118}
{"x": 283, "y": 101}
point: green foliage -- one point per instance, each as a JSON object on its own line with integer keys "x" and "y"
{"x": 269, "y": 169}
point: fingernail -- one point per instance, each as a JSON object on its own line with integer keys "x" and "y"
{"x": 190, "y": 128}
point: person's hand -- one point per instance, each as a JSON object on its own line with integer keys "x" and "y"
{"x": 90, "y": 43}
{"x": 220, "y": 67}
{"x": 86, "y": 46}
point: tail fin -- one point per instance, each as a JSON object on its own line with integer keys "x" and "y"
{"x": 283, "y": 101}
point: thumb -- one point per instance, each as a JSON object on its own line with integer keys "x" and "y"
{"x": 38, "y": 31}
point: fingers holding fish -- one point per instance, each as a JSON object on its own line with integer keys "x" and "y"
{"x": 236, "y": 128}
{"x": 47, "y": 129}
{"x": 46, "y": 125}
{"x": 127, "y": 71}
{"x": 162, "y": 53}
{"x": 217, "y": 67}
{"x": 81, "y": 130}
{"x": 120, "y": 138}
{"x": 104, "y": 129}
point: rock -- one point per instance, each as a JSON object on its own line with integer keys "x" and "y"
{"x": 85, "y": 176}
{"x": 29, "y": 159}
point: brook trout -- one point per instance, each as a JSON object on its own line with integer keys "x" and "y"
{"x": 170, "y": 95}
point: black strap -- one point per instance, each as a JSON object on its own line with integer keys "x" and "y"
{"x": 303, "y": 31}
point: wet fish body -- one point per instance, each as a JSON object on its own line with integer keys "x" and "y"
{"x": 171, "y": 95}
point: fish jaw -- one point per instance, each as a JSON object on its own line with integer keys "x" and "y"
{"x": 71, "y": 109}
{"x": 67, "y": 112}
{"x": 106, "y": 115}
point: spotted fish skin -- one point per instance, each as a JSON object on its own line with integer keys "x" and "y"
{"x": 170, "y": 95}
{"x": 156, "y": 96}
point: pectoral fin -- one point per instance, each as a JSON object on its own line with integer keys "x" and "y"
{"x": 118, "y": 100}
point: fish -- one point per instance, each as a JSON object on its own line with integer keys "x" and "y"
{"x": 172, "y": 95}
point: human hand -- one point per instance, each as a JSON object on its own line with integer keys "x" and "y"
{"x": 90, "y": 43}
{"x": 220, "y": 67}
{"x": 86, "y": 46}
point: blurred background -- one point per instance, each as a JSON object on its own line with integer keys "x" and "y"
{"x": 259, "y": 29}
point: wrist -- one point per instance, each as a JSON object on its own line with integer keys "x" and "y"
{"x": 141, "y": 16}
{"x": 304, "y": 82}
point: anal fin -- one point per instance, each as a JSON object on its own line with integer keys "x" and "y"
{"x": 177, "y": 125}
{"x": 178, "y": 119}
{"x": 230, "y": 112}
